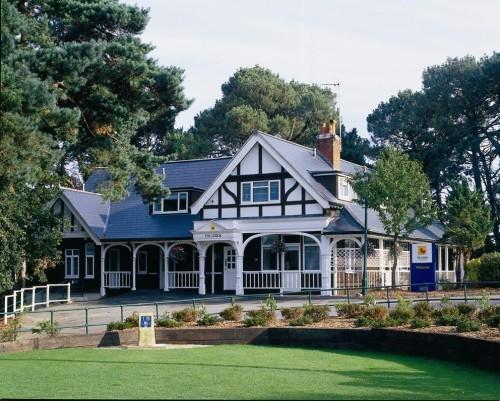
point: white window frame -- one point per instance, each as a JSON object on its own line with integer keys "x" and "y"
{"x": 74, "y": 255}
{"x": 87, "y": 257}
{"x": 269, "y": 201}
{"x": 344, "y": 183}
{"x": 310, "y": 245}
{"x": 139, "y": 271}
{"x": 178, "y": 194}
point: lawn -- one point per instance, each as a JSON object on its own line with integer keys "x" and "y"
{"x": 238, "y": 371}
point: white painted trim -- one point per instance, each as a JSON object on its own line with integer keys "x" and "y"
{"x": 239, "y": 156}
{"x": 73, "y": 258}
{"x": 178, "y": 211}
{"x": 82, "y": 222}
{"x": 269, "y": 201}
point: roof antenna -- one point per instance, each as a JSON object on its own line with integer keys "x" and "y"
{"x": 338, "y": 106}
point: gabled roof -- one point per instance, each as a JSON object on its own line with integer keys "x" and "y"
{"x": 90, "y": 208}
{"x": 343, "y": 224}
{"x": 130, "y": 217}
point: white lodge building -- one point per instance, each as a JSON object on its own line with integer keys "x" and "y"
{"x": 276, "y": 216}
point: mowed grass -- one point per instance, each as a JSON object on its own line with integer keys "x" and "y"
{"x": 238, "y": 371}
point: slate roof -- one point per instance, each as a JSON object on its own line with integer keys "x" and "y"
{"x": 352, "y": 217}
{"x": 91, "y": 207}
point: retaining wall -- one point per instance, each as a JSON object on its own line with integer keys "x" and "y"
{"x": 472, "y": 351}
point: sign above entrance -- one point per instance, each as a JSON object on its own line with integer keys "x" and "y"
{"x": 213, "y": 231}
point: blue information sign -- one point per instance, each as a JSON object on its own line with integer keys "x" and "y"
{"x": 145, "y": 321}
{"x": 423, "y": 267}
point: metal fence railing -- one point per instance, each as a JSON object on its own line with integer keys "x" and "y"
{"x": 30, "y": 298}
{"x": 99, "y": 316}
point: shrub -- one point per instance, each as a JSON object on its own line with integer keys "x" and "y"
{"x": 119, "y": 326}
{"x": 209, "y": 320}
{"x": 316, "y": 312}
{"x": 489, "y": 269}
{"x": 467, "y": 310}
{"x": 364, "y": 321}
{"x": 234, "y": 312}
{"x": 132, "y": 320}
{"x": 349, "y": 310}
{"x": 419, "y": 322}
{"x": 465, "y": 324}
{"x": 447, "y": 315}
{"x": 490, "y": 316}
{"x": 369, "y": 300}
{"x": 403, "y": 312}
{"x": 484, "y": 303}
{"x": 301, "y": 321}
{"x": 46, "y": 326}
{"x": 167, "y": 321}
{"x": 472, "y": 270}
{"x": 376, "y": 312}
{"x": 186, "y": 315}
{"x": 271, "y": 303}
{"x": 423, "y": 310}
{"x": 259, "y": 317}
{"x": 9, "y": 331}
{"x": 292, "y": 313}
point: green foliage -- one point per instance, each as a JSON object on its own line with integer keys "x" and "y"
{"x": 489, "y": 269}
{"x": 465, "y": 324}
{"x": 133, "y": 319}
{"x": 484, "y": 303}
{"x": 260, "y": 317}
{"x": 186, "y": 315}
{"x": 472, "y": 270}
{"x": 450, "y": 116}
{"x": 447, "y": 315}
{"x": 349, "y": 310}
{"x": 46, "y": 326}
{"x": 301, "y": 321}
{"x": 316, "y": 312}
{"x": 376, "y": 312}
{"x": 467, "y": 310}
{"x": 233, "y": 313}
{"x": 206, "y": 319}
{"x": 396, "y": 186}
{"x": 271, "y": 303}
{"x": 292, "y": 313}
{"x": 423, "y": 310}
{"x": 466, "y": 218}
{"x": 420, "y": 322}
{"x": 167, "y": 321}
{"x": 112, "y": 326}
{"x": 370, "y": 300}
{"x": 403, "y": 312}
{"x": 9, "y": 331}
{"x": 256, "y": 98}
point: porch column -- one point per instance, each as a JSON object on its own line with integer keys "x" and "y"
{"x": 239, "y": 273}
{"x": 103, "y": 257}
{"x": 333, "y": 254}
{"x": 165, "y": 267}
{"x": 446, "y": 258}
{"x": 325, "y": 267}
{"x": 462, "y": 269}
{"x": 133, "y": 269}
{"x": 201, "y": 286}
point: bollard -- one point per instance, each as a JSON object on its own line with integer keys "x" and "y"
{"x": 121, "y": 313}
{"x": 194, "y": 304}
{"x": 388, "y": 300}
{"x": 51, "y": 317}
{"x": 157, "y": 314}
{"x": 465, "y": 292}
{"x": 87, "y": 321}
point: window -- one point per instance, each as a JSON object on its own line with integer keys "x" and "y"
{"x": 260, "y": 191}
{"x": 175, "y": 203}
{"x": 72, "y": 267}
{"x": 269, "y": 254}
{"x": 344, "y": 188}
{"x": 142, "y": 262}
{"x": 89, "y": 260}
{"x": 311, "y": 254}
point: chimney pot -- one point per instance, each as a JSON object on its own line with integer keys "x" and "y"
{"x": 329, "y": 144}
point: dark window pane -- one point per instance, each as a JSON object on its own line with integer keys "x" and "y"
{"x": 246, "y": 192}
{"x": 275, "y": 190}
{"x": 183, "y": 201}
{"x": 311, "y": 258}
{"x": 170, "y": 203}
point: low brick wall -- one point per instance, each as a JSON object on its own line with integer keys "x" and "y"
{"x": 471, "y": 351}
{"x": 107, "y": 339}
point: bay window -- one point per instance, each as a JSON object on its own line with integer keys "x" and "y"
{"x": 174, "y": 203}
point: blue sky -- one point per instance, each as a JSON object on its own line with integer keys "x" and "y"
{"x": 373, "y": 48}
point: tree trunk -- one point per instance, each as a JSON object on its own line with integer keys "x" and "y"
{"x": 491, "y": 192}
{"x": 395, "y": 252}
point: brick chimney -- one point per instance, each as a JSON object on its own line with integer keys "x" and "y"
{"x": 329, "y": 144}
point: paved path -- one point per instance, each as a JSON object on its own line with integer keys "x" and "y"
{"x": 101, "y": 311}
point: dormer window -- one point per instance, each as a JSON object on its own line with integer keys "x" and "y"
{"x": 177, "y": 202}
{"x": 260, "y": 191}
{"x": 344, "y": 188}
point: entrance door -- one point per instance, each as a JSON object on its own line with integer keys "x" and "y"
{"x": 291, "y": 273}
{"x": 229, "y": 268}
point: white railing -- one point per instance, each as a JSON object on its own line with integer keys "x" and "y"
{"x": 118, "y": 279}
{"x": 26, "y": 298}
{"x": 258, "y": 280}
{"x": 183, "y": 279}
{"x": 311, "y": 280}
